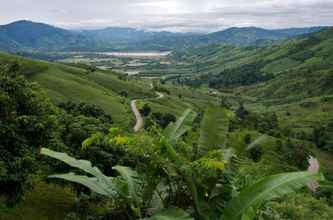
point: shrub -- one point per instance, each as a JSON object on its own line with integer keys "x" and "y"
{"x": 27, "y": 122}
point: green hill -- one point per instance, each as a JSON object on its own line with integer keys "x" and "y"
{"x": 302, "y": 67}
{"x": 68, "y": 83}
{"x": 252, "y": 117}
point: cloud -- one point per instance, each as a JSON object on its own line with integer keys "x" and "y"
{"x": 174, "y": 15}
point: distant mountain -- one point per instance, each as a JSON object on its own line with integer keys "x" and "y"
{"x": 235, "y": 36}
{"x": 26, "y": 35}
{"x": 126, "y": 35}
{"x": 249, "y": 35}
{"x": 299, "y": 31}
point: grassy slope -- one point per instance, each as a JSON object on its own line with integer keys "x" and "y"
{"x": 65, "y": 86}
{"x": 303, "y": 74}
{"x": 66, "y": 83}
{"x": 180, "y": 99}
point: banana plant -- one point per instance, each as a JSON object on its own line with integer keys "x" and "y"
{"x": 251, "y": 198}
{"x": 171, "y": 214}
{"x": 127, "y": 187}
{"x": 177, "y": 129}
{"x": 243, "y": 206}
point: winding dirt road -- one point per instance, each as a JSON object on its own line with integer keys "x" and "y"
{"x": 138, "y": 117}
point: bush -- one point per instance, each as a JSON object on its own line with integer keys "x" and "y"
{"x": 145, "y": 110}
{"x": 161, "y": 119}
{"x": 255, "y": 153}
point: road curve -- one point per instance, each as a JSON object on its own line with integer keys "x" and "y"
{"x": 138, "y": 118}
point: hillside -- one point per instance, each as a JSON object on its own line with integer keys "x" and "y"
{"x": 237, "y": 136}
{"x": 67, "y": 83}
{"x": 301, "y": 66}
{"x": 293, "y": 79}
{"x": 232, "y": 125}
{"x": 109, "y": 90}
{"x": 190, "y": 136}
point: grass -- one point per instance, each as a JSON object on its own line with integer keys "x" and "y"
{"x": 134, "y": 88}
{"x": 75, "y": 86}
{"x": 179, "y": 99}
{"x": 168, "y": 104}
{"x": 69, "y": 83}
{"x": 299, "y": 115}
{"x": 280, "y": 65}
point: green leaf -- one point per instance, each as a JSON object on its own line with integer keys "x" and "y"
{"x": 259, "y": 140}
{"x": 214, "y": 129}
{"x": 132, "y": 181}
{"x": 90, "y": 182}
{"x": 99, "y": 183}
{"x": 81, "y": 164}
{"x": 268, "y": 188}
{"x": 171, "y": 214}
{"x": 175, "y": 130}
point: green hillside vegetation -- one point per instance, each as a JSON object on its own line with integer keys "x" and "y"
{"x": 302, "y": 62}
{"x": 67, "y": 83}
{"x": 235, "y": 137}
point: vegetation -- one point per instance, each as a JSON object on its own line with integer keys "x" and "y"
{"x": 207, "y": 203}
{"x": 23, "y": 130}
{"x": 242, "y": 133}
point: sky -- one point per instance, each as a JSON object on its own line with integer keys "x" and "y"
{"x": 170, "y": 15}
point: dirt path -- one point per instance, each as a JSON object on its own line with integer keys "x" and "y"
{"x": 325, "y": 158}
{"x": 138, "y": 117}
{"x": 159, "y": 95}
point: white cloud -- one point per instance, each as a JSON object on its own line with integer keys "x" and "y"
{"x": 175, "y": 15}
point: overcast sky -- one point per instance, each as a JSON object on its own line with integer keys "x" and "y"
{"x": 172, "y": 15}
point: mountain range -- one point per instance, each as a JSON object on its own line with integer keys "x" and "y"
{"x": 27, "y": 35}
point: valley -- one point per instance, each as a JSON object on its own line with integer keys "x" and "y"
{"x": 119, "y": 123}
{"x": 131, "y": 63}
